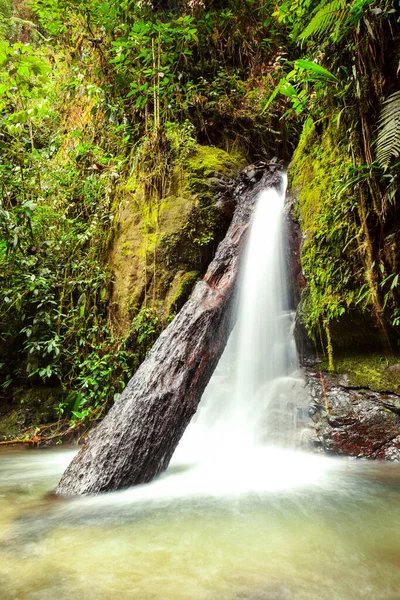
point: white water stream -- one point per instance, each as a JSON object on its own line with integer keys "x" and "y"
{"x": 249, "y": 401}
{"x": 248, "y": 417}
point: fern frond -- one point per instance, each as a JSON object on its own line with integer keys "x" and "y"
{"x": 388, "y": 140}
{"x": 329, "y": 17}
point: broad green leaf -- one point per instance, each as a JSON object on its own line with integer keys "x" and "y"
{"x": 317, "y": 70}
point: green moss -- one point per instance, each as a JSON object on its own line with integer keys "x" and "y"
{"x": 330, "y": 258}
{"x": 40, "y": 403}
{"x": 380, "y": 373}
{"x": 207, "y": 159}
{"x": 32, "y": 407}
{"x": 156, "y": 240}
{"x": 180, "y": 289}
{"x": 126, "y": 249}
{"x": 10, "y": 427}
{"x": 173, "y": 211}
{"x": 319, "y": 163}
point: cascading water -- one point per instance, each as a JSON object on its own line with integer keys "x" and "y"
{"x": 255, "y": 397}
{"x": 260, "y": 359}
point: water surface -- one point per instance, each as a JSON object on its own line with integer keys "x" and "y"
{"x": 308, "y": 527}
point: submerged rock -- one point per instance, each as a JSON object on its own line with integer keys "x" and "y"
{"x": 356, "y": 422}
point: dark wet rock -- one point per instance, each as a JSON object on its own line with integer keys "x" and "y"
{"x": 297, "y": 283}
{"x": 253, "y": 173}
{"x": 353, "y": 421}
{"x": 223, "y": 188}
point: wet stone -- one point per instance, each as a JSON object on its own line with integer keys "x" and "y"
{"x": 359, "y": 422}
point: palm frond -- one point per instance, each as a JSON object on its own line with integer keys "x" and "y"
{"x": 388, "y": 140}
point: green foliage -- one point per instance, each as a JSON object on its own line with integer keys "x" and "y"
{"x": 22, "y": 77}
{"x": 174, "y": 65}
{"x": 316, "y": 72}
{"x": 6, "y": 13}
{"x": 329, "y": 255}
{"x": 329, "y": 18}
{"x": 55, "y": 220}
{"x": 145, "y": 328}
{"x": 388, "y": 140}
{"x": 157, "y": 74}
{"x": 305, "y": 85}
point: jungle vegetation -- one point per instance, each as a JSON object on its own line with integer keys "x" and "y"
{"x": 95, "y": 94}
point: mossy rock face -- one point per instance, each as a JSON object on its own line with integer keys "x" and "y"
{"x": 373, "y": 371}
{"x": 207, "y": 159}
{"x": 318, "y": 163}
{"x": 336, "y": 305}
{"x": 10, "y": 426}
{"x": 157, "y": 243}
{"x": 30, "y": 408}
{"x": 180, "y": 289}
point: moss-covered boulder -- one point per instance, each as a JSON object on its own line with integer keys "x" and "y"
{"x": 352, "y": 418}
{"x": 161, "y": 246}
{"x": 368, "y": 370}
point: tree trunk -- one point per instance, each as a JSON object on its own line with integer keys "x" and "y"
{"x": 137, "y": 438}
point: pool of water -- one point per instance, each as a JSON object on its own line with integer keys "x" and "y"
{"x": 302, "y": 527}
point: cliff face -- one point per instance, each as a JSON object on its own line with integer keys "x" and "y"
{"x": 337, "y": 305}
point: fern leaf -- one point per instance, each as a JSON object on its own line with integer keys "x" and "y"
{"x": 328, "y": 18}
{"x": 388, "y": 140}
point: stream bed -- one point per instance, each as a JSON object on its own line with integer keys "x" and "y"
{"x": 304, "y": 527}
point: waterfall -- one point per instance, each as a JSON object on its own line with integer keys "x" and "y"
{"x": 264, "y": 351}
{"x": 255, "y": 398}
{"x": 244, "y": 435}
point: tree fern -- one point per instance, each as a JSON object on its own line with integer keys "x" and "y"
{"x": 334, "y": 18}
{"x": 329, "y": 17}
{"x": 388, "y": 140}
